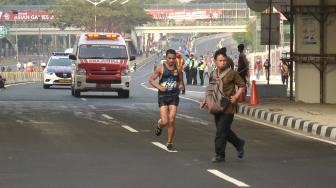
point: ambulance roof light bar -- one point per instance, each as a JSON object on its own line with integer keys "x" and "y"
{"x": 111, "y": 36}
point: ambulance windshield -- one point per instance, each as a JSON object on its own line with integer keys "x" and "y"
{"x": 102, "y": 51}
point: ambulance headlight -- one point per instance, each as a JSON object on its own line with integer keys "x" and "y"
{"x": 124, "y": 72}
{"x": 81, "y": 71}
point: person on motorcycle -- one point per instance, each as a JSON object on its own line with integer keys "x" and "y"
{"x": 2, "y": 82}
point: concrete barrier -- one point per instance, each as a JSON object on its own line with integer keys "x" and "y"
{"x": 21, "y": 77}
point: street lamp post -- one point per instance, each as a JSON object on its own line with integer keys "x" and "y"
{"x": 95, "y": 3}
{"x": 15, "y": 12}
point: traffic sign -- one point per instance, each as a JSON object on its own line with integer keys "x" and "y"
{"x": 3, "y": 31}
{"x": 275, "y": 29}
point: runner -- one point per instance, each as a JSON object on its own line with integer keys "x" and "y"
{"x": 169, "y": 87}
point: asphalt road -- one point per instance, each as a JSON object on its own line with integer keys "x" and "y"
{"x": 50, "y": 139}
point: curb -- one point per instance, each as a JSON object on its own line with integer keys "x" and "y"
{"x": 289, "y": 122}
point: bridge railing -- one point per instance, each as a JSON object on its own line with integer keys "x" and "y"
{"x": 24, "y": 7}
{"x": 224, "y": 6}
{"x": 216, "y": 22}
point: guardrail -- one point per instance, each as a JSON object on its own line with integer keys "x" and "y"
{"x": 21, "y": 77}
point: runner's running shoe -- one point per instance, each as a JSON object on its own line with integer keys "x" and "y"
{"x": 170, "y": 147}
{"x": 158, "y": 129}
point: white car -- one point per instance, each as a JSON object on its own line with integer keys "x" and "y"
{"x": 69, "y": 51}
{"x": 57, "y": 71}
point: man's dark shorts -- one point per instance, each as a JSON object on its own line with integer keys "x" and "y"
{"x": 168, "y": 100}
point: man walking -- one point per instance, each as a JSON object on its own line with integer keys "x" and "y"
{"x": 169, "y": 87}
{"x": 229, "y": 81}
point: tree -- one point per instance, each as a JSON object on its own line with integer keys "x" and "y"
{"x": 110, "y": 17}
{"x": 247, "y": 38}
{"x": 218, "y": 1}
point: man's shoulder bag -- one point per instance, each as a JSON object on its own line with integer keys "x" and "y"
{"x": 216, "y": 100}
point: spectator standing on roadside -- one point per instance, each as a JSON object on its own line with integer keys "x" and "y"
{"x": 180, "y": 65}
{"x": 284, "y": 74}
{"x": 24, "y": 66}
{"x": 267, "y": 66}
{"x": 193, "y": 69}
{"x": 187, "y": 69}
{"x": 257, "y": 69}
{"x": 18, "y": 66}
{"x": 243, "y": 65}
{"x": 201, "y": 67}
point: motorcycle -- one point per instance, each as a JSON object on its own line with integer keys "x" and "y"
{"x": 2, "y": 82}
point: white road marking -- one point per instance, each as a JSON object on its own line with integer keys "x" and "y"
{"x": 103, "y": 122}
{"x": 192, "y": 119}
{"x": 39, "y": 122}
{"x": 19, "y": 121}
{"x": 92, "y": 107}
{"x": 228, "y": 178}
{"x": 201, "y": 92}
{"x": 150, "y": 88}
{"x": 154, "y": 89}
{"x": 130, "y": 128}
{"x": 189, "y": 99}
{"x": 19, "y": 84}
{"x": 143, "y": 65}
{"x": 78, "y": 113}
{"x": 84, "y": 99}
{"x": 107, "y": 116}
{"x": 158, "y": 144}
{"x": 185, "y": 116}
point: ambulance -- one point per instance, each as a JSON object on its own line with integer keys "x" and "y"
{"x": 101, "y": 64}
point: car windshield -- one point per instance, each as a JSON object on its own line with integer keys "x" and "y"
{"x": 59, "y": 62}
{"x": 92, "y": 51}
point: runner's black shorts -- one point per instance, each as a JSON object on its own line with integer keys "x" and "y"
{"x": 168, "y": 100}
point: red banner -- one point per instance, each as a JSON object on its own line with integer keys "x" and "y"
{"x": 186, "y": 14}
{"x": 39, "y": 15}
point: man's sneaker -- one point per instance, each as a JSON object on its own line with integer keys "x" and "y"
{"x": 170, "y": 147}
{"x": 158, "y": 129}
{"x": 218, "y": 159}
{"x": 241, "y": 150}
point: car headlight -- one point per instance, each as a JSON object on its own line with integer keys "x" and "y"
{"x": 124, "y": 72}
{"x": 81, "y": 71}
